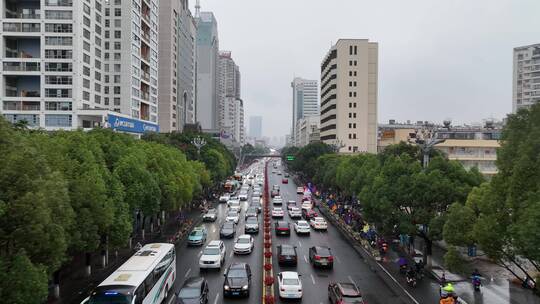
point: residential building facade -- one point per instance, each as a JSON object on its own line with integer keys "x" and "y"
{"x": 526, "y": 77}
{"x": 305, "y": 102}
{"x": 80, "y": 64}
{"x": 349, "y": 90}
{"x": 307, "y": 130}
{"x": 230, "y": 104}
{"x": 207, "y": 71}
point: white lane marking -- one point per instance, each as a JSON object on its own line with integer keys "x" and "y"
{"x": 351, "y": 279}
{"x": 312, "y": 279}
{"x": 200, "y": 253}
{"x": 230, "y": 255}
{"x": 300, "y": 243}
{"x": 305, "y": 259}
{"x": 216, "y": 299}
{"x": 187, "y": 273}
{"x": 214, "y": 230}
{"x": 337, "y": 258}
{"x": 395, "y": 281}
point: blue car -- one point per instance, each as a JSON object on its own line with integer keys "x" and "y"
{"x": 197, "y": 237}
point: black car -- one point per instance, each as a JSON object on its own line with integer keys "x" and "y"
{"x": 283, "y": 228}
{"x": 194, "y": 291}
{"x": 228, "y": 230}
{"x": 344, "y": 293}
{"x": 251, "y": 211}
{"x": 321, "y": 256}
{"x": 287, "y": 255}
{"x": 237, "y": 280}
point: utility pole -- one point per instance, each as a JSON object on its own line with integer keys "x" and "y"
{"x": 199, "y": 142}
{"x": 198, "y": 9}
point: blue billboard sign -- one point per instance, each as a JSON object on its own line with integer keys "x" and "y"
{"x": 130, "y": 125}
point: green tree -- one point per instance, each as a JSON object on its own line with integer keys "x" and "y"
{"x": 21, "y": 281}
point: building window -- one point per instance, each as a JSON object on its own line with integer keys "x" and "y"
{"x": 55, "y": 120}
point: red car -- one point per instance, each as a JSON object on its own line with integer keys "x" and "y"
{"x": 285, "y": 181}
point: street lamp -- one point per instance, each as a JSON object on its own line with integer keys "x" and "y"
{"x": 336, "y": 145}
{"x": 426, "y": 139}
{"x": 198, "y": 142}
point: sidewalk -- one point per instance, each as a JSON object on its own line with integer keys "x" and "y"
{"x": 75, "y": 285}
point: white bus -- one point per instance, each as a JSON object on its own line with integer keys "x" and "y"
{"x": 145, "y": 278}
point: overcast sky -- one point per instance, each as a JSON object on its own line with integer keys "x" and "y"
{"x": 437, "y": 59}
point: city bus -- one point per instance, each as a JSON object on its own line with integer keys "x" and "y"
{"x": 145, "y": 278}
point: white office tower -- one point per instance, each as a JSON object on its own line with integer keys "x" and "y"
{"x": 230, "y": 104}
{"x": 80, "y": 64}
{"x": 349, "y": 96}
{"x": 176, "y": 65}
{"x": 305, "y": 97}
{"x": 526, "y": 78}
{"x": 207, "y": 71}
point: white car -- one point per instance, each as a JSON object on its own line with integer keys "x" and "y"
{"x": 224, "y": 198}
{"x": 232, "y": 216}
{"x": 257, "y": 189}
{"x": 235, "y": 208}
{"x": 307, "y": 205}
{"x": 295, "y": 212}
{"x": 289, "y": 285}
{"x": 233, "y": 200}
{"x": 243, "y": 245}
{"x": 277, "y": 200}
{"x": 302, "y": 227}
{"x": 278, "y": 212}
{"x": 213, "y": 255}
{"x": 256, "y": 194}
{"x": 243, "y": 196}
{"x": 299, "y": 190}
{"x": 318, "y": 223}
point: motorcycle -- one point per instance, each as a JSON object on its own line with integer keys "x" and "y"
{"x": 403, "y": 269}
{"x": 476, "y": 283}
{"x": 411, "y": 281}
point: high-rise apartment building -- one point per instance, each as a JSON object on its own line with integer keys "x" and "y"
{"x": 349, "y": 83}
{"x": 305, "y": 101}
{"x": 526, "y": 78}
{"x": 80, "y": 64}
{"x": 207, "y": 71}
{"x": 255, "y": 127}
{"x": 176, "y": 65}
{"x": 230, "y": 104}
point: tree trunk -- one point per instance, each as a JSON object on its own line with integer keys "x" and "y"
{"x": 143, "y": 226}
{"x": 56, "y": 282}
{"x": 88, "y": 264}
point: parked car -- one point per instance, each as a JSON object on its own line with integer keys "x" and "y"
{"x": 318, "y": 223}
{"x": 302, "y": 227}
{"x": 344, "y": 293}
{"x": 321, "y": 256}
{"x": 228, "y": 230}
{"x": 295, "y": 213}
{"x": 283, "y": 228}
{"x": 193, "y": 291}
{"x": 243, "y": 245}
{"x": 287, "y": 255}
{"x": 237, "y": 280}
{"x": 213, "y": 255}
{"x": 308, "y": 214}
{"x": 277, "y": 200}
{"x": 197, "y": 237}
{"x": 224, "y": 198}
{"x": 252, "y": 225}
{"x": 210, "y": 215}
{"x": 289, "y": 285}
{"x": 277, "y": 212}
{"x": 285, "y": 181}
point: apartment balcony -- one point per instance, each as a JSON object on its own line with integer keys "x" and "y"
{"x": 21, "y": 105}
{"x": 18, "y": 9}
{"x": 22, "y": 47}
{"x": 145, "y": 96}
{"x": 22, "y": 86}
{"x": 22, "y": 67}
{"x": 16, "y": 27}
{"x": 145, "y": 76}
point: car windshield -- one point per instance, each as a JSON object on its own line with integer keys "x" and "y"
{"x": 228, "y": 226}
{"x": 236, "y": 273}
{"x": 211, "y": 251}
{"x": 251, "y": 220}
{"x": 196, "y": 233}
{"x": 211, "y": 211}
{"x": 277, "y": 209}
{"x": 290, "y": 282}
{"x": 352, "y": 299}
{"x": 232, "y": 214}
{"x": 303, "y": 224}
{"x": 189, "y": 293}
{"x": 110, "y": 298}
{"x": 243, "y": 241}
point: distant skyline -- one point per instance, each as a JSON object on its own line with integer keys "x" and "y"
{"x": 255, "y": 126}
{"x": 437, "y": 60}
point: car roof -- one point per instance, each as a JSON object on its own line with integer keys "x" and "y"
{"x": 279, "y": 223}
{"x": 238, "y": 266}
{"x": 245, "y": 236}
{"x": 252, "y": 217}
{"x": 349, "y": 289}
{"x": 228, "y": 224}
{"x": 318, "y": 218}
{"x": 194, "y": 282}
{"x": 302, "y": 222}
{"x": 278, "y": 208}
{"x": 322, "y": 249}
{"x": 289, "y": 275}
